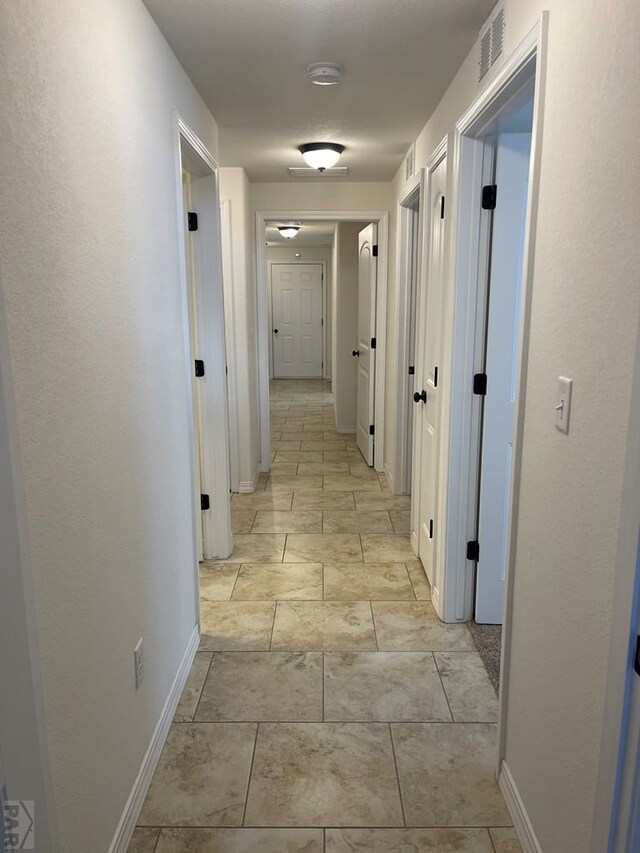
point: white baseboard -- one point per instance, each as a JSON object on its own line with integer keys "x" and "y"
{"x": 245, "y": 487}
{"x": 347, "y": 429}
{"x": 134, "y": 803}
{"x": 521, "y": 822}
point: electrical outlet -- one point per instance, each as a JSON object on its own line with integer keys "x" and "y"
{"x": 138, "y": 657}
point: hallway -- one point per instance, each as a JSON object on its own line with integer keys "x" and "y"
{"x": 327, "y": 709}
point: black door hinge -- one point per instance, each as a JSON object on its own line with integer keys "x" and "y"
{"x": 192, "y": 221}
{"x": 374, "y": 251}
{"x": 480, "y": 384}
{"x": 412, "y": 370}
{"x": 435, "y": 376}
{"x": 442, "y": 207}
{"x": 636, "y": 657}
{"x": 199, "y": 368}
{"x": 430, "y": 528}
{"x": 204, "y": 502}
{"x": 489, "y": 196}
{"x": 373, "y": 343}
{"x": 473, "y": 550}
{"x": 372, "y": 429}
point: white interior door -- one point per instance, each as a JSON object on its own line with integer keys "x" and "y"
{"x": 367, "y": 291}
{"x": 424, "y": 498}
{"x": 502, "y": 338}
{"x": 296, "y": 293}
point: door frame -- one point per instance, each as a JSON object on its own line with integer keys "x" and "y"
{"x": 297, "y": 261}
{"x": 528, "y": 60}
{"x": 381, "y": 218}
{"x": 216, "y": 525}
{"x": 414, "y": 188}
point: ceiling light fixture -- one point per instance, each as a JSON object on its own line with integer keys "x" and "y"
{"x": 324, "y": 73}
{"x": 288, "y": 231}
{"x": 321, "y": 155}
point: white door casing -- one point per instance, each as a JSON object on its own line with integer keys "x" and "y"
{"x": 501, "y": 367}
{"x": 424, "y": 504}
{"x": 367, "y": 293}
{"x": 297, "y": 305}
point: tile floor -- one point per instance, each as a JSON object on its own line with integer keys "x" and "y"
{"x": 328, "y": 710}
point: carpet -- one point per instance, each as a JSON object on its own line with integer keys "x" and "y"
{"x": 488, "y": 641}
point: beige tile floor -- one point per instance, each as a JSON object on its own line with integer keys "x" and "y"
{"x": 328, "y": 710}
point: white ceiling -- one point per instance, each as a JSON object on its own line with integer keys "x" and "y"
{"x": 248, "y": 59}
{"x": 310, "y": 234}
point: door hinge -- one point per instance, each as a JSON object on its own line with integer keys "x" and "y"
{"x": 473, "y": 550}
{"x": 192, "y": 221}
{"x": 374, "y": 250}
{"x": 374, "y": 343}
{"x": 199, "y": 368}
{"x": 412, "y": 370}
{"x": 372, "y": 429}
{"x": 636, "y": 657}
{"x": 489, "y": 196}
{"x": 435, "y": 376}
{"x": 442, "y": 207}
{"x": 322, "y": 321}
{"x": 204, "y": 502}
{"x": 480, "y": 384}
{"x": 430, "y": 528}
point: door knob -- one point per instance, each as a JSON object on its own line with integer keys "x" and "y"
{"x": 275, "y": 331}
{"x": 355, "y": 353}
{"x": 420, "y": 397}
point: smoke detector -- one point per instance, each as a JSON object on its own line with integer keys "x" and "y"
{"x": 324, "y": 73}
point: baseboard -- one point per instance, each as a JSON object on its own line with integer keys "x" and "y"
{"x": 347, "y": 429}
{"x": 521, "y": 822}
{"x": 245, "y": 487}
{"x": 132, "y": 809}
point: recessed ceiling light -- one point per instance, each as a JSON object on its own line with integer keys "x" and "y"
{"x": 321, "y": 155}
{"x": 288, "y": 231}
{"x": 324, "y": 73}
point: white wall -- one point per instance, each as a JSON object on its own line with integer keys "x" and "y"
{"x": 309, "y": 254}
{"x": 91, "y": 280}
{"x": 584, "y": 324}
{"x": 235, "y": 188}
{"x": 345, "y": 382}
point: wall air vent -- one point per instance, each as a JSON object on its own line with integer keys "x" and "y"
{"x": 491, "y": 41}
{"x": 410, "y": 163}
{"x": 333, "y": 172}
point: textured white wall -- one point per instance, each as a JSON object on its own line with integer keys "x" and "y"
{"x": 584, "y": 325}
{"x": 91, "y": 279}
{"x": 234, "y": 186}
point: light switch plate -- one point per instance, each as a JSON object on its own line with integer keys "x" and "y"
{"x": 563, "y": 404}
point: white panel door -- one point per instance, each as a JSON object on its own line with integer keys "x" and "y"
{"x": 503, "y": 327}
{"x": 296, "y": 293}
{"x": 367, "y": 290}
{"x": 424, "y": 499}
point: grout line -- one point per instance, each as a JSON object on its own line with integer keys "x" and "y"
{"x": 493, "y": 846}
{"x": 395, "y": 762}
{"x": 235, "y": 582}
{"x": 444, "y": 690}
{"x": 375, "y": 633}
{"x": 253, "y": 755}
{"x": 273, "y": 625}
{"x": 195, "y": 713}
{"x": 155, "y": 846}
{"x": 323, "y": 714}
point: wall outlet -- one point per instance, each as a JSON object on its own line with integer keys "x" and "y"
{"x": 138, "y": 658}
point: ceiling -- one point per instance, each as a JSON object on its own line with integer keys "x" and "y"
{"x": 248, "y": 59}
{"x": 310, "y": 234}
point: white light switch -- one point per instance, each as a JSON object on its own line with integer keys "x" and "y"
{"x": 563, "y": 403}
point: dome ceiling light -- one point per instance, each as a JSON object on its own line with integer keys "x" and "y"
{"x": 288, "y": 231}
{"x": 324, "y": 73}
{"x": 321, "y": 155}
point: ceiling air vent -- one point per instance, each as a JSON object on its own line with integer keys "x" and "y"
{"x": 491, "y": 41}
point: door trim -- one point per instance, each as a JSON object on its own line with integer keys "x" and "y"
{"x": 323, "y": 264}
{"x": 381, "y": 218}
{"x": 218, "y": 541}
{"x": 528, "y": 60}
{"x": 415, "y": 188}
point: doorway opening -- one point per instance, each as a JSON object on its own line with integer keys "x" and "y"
{"x": 321, "y": 320}
{"x": 205, "y": 355}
